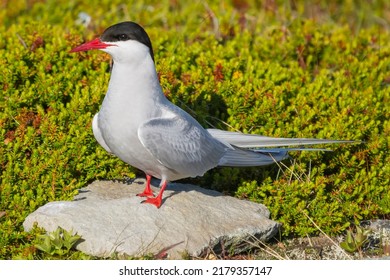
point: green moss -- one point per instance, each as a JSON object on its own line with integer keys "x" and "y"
{"x": 290, "y": 69}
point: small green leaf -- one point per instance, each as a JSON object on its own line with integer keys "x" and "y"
{"x": 58, "y": 242}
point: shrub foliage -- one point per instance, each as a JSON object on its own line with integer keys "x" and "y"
{"x": 277, "y": 68}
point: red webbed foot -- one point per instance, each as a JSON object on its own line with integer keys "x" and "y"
{"x": 147, "y": 191}
{"x": 156, "y": 201}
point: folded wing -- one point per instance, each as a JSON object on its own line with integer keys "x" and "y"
{"x": 182, "y": 146}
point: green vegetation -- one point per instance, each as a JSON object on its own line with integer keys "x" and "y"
{"x": 57, "y": 243}
{"x": 354, "y": 242}
{"x": 279, "y": 68}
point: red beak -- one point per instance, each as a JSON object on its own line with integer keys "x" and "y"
{"x": 95, "y": 44}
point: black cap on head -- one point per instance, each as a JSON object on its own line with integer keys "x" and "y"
{"x": 125, "y": 31}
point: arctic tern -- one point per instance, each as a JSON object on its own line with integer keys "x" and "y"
{"x": 138, "y": 124}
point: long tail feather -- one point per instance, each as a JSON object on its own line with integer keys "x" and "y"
{"x": 238, "y": 157}
{"x": 257, "y": 141}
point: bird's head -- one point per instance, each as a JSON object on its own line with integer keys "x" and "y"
{"x": 126, "y": 42}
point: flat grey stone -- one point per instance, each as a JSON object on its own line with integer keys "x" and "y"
{"x": 380, "y": 226}
{"x": 379, "y": 237}
{"x": 111, "y": 219}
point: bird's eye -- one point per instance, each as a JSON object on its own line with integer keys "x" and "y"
{"x": 122, "y": 37}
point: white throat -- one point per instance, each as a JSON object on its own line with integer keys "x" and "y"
{"x": 134, "y": 91}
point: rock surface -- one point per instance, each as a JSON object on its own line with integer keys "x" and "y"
{"x": 192, "y": 220}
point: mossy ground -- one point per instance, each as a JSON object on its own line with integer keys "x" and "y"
{"x": 278, "y": 68}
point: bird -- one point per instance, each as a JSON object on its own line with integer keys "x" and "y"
{"x": 138, "y": 124}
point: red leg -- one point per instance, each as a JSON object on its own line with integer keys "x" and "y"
{"x": 158, "y": 199}
{"x": 147, "y": 191}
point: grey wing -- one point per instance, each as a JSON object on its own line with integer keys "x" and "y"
{"x": 182, "y": 146}
{"x": 98, "y": 134}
